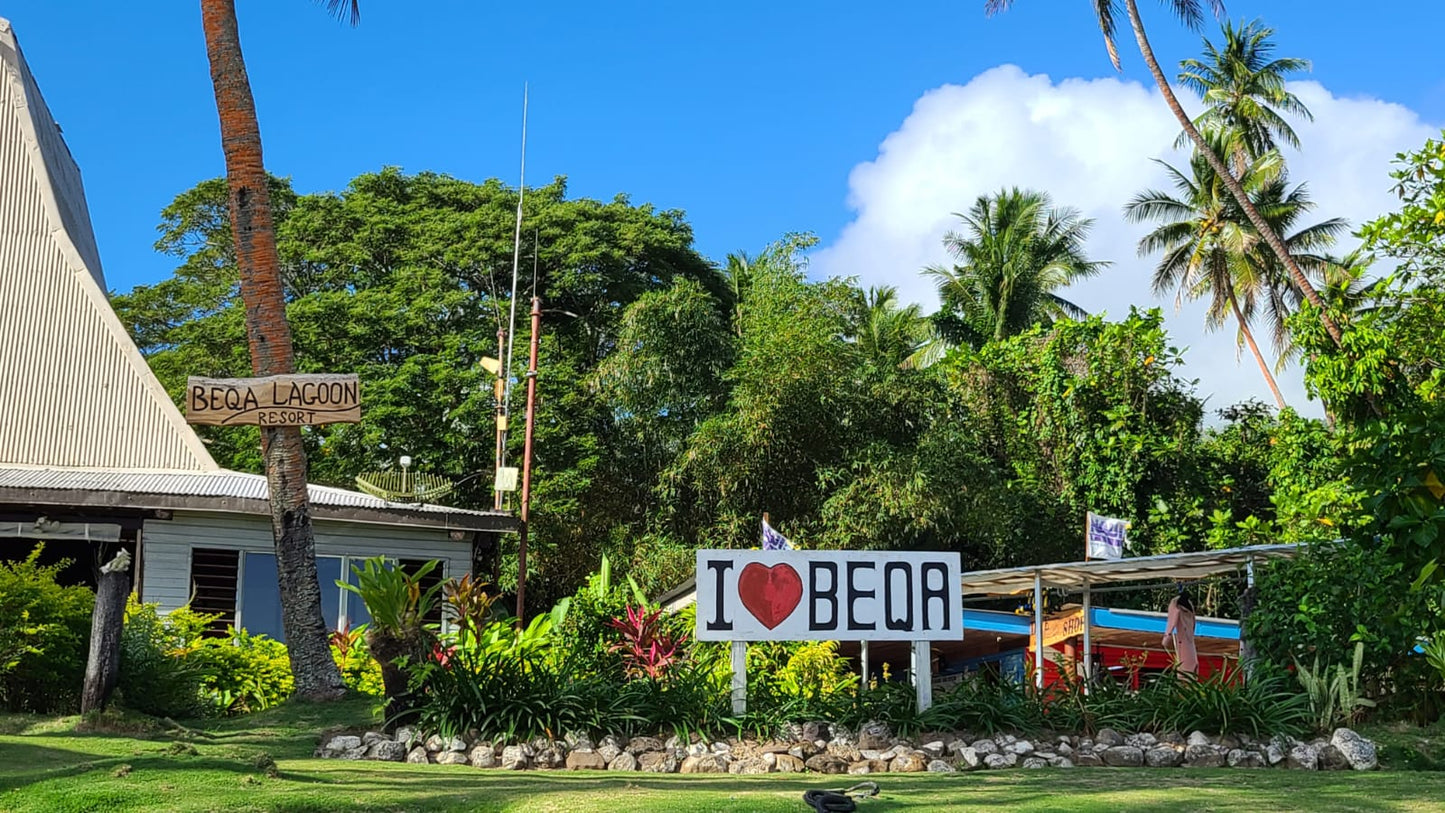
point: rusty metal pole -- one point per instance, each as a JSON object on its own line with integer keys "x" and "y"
{"x": 499, "y": 390}
{"x": 527, "y": 460}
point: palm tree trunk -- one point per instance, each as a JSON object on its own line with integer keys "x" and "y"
{"x": 1265, "y": 230}
{"x": 1254, "y": 348}
{"x": 269, "y": 337}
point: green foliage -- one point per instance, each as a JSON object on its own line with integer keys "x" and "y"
{"x": 157, "y": 676}
{"x": 648, "y": 648}
{"x": 244, "y": 673}
{"x": 394, "y": 597}
{"x": 44, "y": 636}
{"x": 1334, "y": 691}
{"x": 360, "y": 671}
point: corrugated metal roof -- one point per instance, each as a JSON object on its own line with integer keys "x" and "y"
{"x": 219, "y": 484}
{"x": 74, "y": 390}
{"x": 1194, "y": 565}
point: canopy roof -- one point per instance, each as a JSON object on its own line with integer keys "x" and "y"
{"x": 1197, "y": 565}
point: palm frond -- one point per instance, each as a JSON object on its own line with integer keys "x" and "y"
{"x": 347, "y": 11}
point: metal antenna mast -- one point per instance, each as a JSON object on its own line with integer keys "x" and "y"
{"x": 516, "y": 260}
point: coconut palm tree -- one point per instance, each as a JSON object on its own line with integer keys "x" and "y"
{"x": 269, "y": 337}
{"x": 1191, "y": 13}
{"x": 1243, "y": 84}
{"x": 885, "y": 331}
{"x": 1015, "y": 252}
{"x": 1211, "y": 250}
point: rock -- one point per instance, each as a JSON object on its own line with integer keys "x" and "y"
{"x": 787, "y": 763}
{"x": 826, "y": 763}
{"x": 1198, "y": 738}
{"x": 1204, "y": 756}
{"x": 609, "y": 751}
{"x": 750, "y": 766}
{"x": 1274, "y": 754}
{"x": 435, "y": 744}
{"x": 1064, "y": 749}
{"x": 553, "y": 757}
{"x": 875, "y": 734}
{"x": 1061, "y": 762}
{"x": 816, "y": 731}
{"x": 939, "y": 766}
{"x": 341, "y": 743}
{"x": 968, "y": 759}
{"x": 997, "y": 761}
{"x": 1123, "y": 756}
{"x": 1357, "y": 750}
{"x": 1303, "y": 757}
{"x": 895, "y": 752}
{"x": 624, "y": 761}
{"x": 1035, "y": 763}
{"x": 872, "y": 753}
{"x": 359, "y": 752}
{"x": 1246, "y": 758}
{"x": 985, "y": 747}
{"x": 1229, "y": 742}
{"x": 707, "y": 763}
{"x": 1332, "y": 759}
{"x": 956, "y": 747}
{"x": 1109, "y": 737}
{"x": 1162, "y": 756}
{"x": 451, "y": 758}
{"x": 639, "y": 745}
{"x": 457, "y": 744}
{"x": 516, "y": 758}
{"x": 371, "y": 738}
{"x": 1087, "y": 759}
{"x": 846, "y": 753}
{"x": 697, "y": 749}
{"x": 908, "y": 763}
{"x": 658, "y": 762}
{"x": 934, "y": 749}
{"x": 585, "y": 760}
{"x": 1141, "y": 741}
{"x": 417, "y": 756}
{"x": 1022, "y": 747}
{"x": 482, "y": 756}
{"x": 1173, "y": 738}
{"x": 387, "y": 751}
{"x": 408, "y": 736}
{"x": 578, "y": 741}
{"x": 867, "y": 766}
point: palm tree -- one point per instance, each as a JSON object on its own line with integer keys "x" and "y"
{"x": 1191, "y": 12}
{"x": 269, "y": 338}
{"x": 1016, "y": 251}
{"x": 884, "y": 331}
{"x": 1210, "y": 249}
{"x": 1244, "y": 87}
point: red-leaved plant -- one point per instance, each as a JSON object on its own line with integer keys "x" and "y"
{"x": 646, "y": 647}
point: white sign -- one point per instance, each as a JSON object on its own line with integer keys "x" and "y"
{"x": 814, "y": 595}
{"x": 1105, "y": 537}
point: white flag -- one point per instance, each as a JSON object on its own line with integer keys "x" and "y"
{"x": 1105, "y": 537}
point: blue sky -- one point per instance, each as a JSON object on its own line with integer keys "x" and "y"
{"x": 750, "y": 115}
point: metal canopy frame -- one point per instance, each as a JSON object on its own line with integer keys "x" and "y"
{"x": 1079, "y": 575}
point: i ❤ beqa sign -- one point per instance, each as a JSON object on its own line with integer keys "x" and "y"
{"x": 793, "y": 595}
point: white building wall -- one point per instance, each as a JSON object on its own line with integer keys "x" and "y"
{"x": 166, "y": 547}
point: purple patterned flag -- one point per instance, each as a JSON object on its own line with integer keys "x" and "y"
{"x": 772, "y": 540}
{"x": 1106, "y": 537}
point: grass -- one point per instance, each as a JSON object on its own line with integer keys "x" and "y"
{"x": 119, "y": 762}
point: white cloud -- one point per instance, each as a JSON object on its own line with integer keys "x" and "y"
{"x": 1088, "y": 143}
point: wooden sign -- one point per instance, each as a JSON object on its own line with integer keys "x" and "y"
{"x": 797, "y": 595}
{"x": 278, "y": 400}
{"x": 1063, "y": 627}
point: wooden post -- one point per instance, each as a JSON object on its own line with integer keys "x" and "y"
{"x": 740, "y": 677}
{"x": 1038, "y": 629}
{"x": 102, "y": 670}
{"x": 527, "y": 463}
{"x": 923, "y": 674}
{"x": 1246, "y": 608}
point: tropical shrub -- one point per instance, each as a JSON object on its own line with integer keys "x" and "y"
{"x": 244, "y": 672}
{"x": 1262, "y": 706}
{"x": 158, "y": 676}
{"x": 44, "y": 636}
{"x": 1334, "y": 691}
{"x": 647, "y": 647}
{"x": 397, "y": 633}
{"x": 360, "y": 671}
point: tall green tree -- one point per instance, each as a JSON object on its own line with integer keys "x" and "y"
{"x": 1210, "y": 250}
{"x": 1243, "y": 87}
{"x": 1015, "y": 252}
{"x": 269, "y": 339}
{"x": 886, "y": 331}
{"x": 1191, "y": 13}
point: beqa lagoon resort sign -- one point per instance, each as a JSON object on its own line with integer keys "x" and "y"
{"x": 808, "y": 595}
{"x": 278, "y": 400}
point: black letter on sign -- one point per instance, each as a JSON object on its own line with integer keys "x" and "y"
{"x": 720, "y": 566}
{"x": 906, "y": 622}
{"x": 854, "y": 594}
{"x": 818, "y": 595}
{"x": 941, "y": 593}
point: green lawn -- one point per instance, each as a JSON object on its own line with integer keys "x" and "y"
{"x": 62, "y": 765}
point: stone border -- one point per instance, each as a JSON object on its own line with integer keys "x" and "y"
{"x": 825, "y": 749}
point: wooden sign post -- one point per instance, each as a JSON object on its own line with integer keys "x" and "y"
{"x": 278, "y": 400}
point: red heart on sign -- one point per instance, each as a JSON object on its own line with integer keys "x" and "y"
{"x": 770, "y": 593}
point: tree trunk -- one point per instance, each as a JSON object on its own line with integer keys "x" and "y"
{"x": 387, "y": 648}
{"x": 102, "y": 670}
{"x": 1265, "y": 230}
{"x": 269, "y": 337}
{"x": 1254, "y": 348}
